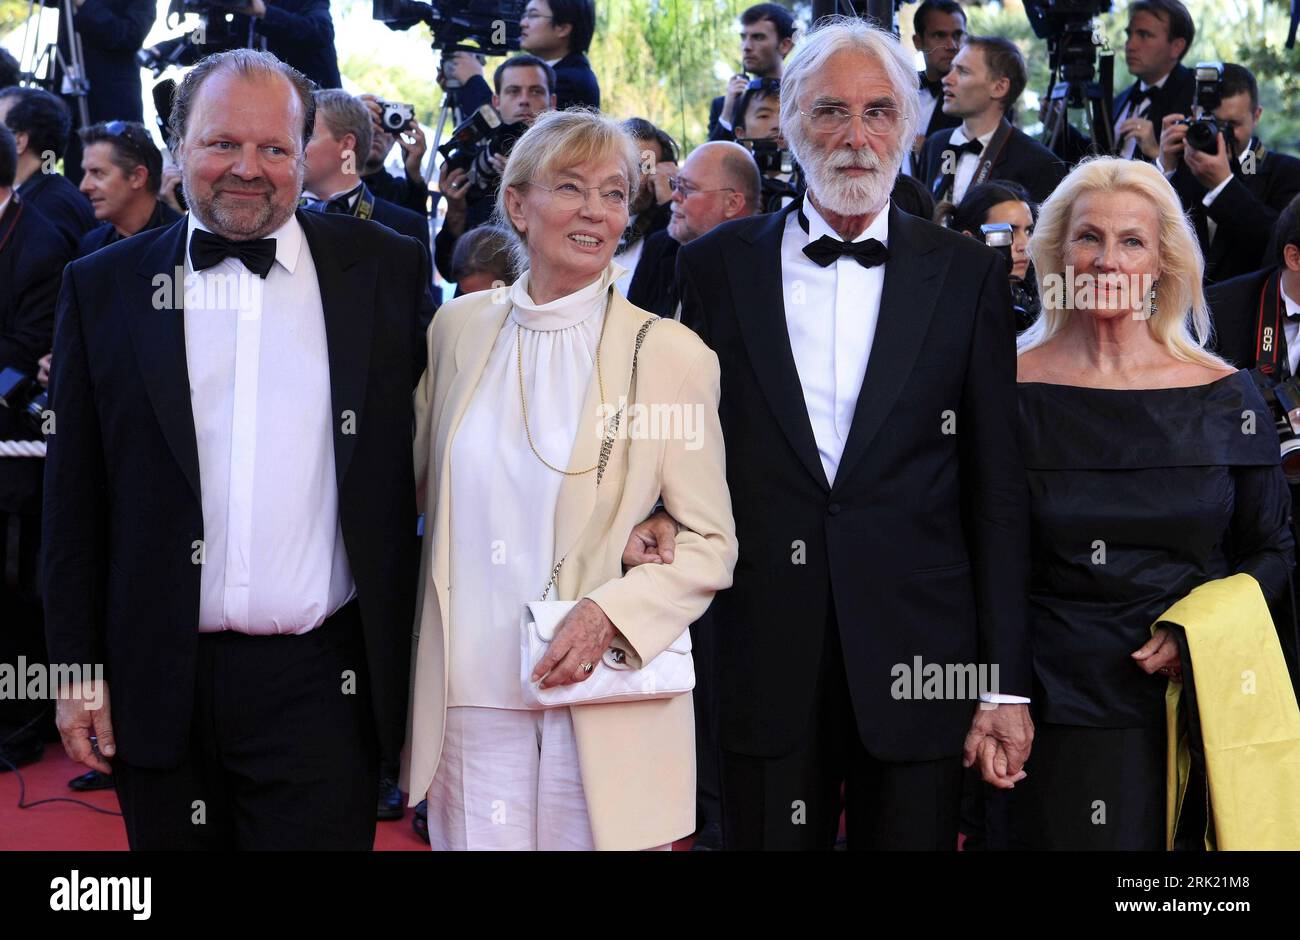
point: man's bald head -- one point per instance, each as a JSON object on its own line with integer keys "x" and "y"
{"x": 718, "y": 182}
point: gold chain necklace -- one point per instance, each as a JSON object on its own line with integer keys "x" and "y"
{"x": 523, "y": 404}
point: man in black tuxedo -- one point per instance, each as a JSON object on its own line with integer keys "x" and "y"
{"x": 229, "y": 497}
{"x": 1159, "y": 33}
{"x": 982, "y": 88}
{"x": 766, "y": 38}
{"x": 1233, "y": 195}
{"x": 111, "y": 33}
{"x": 123, "y": 173}
{"x": 32, "y": 255}
{"x": 40, "y": 123}
{"x": 938, "y": 29}
{"x": 868, "y": 406}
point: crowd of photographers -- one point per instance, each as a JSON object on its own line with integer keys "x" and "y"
{"x": 971, "y": 169}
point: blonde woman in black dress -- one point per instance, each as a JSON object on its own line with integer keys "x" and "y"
{"x": 1153, "y": 468}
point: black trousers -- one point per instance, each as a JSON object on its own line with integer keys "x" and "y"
{"x": 1091, "y": 789}
{"x": 794, "y": 802}
{"x": 282, "y": 751}
{"x": 23, "y": 721}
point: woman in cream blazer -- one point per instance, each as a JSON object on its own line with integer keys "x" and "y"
{"x": 635, "y": 760}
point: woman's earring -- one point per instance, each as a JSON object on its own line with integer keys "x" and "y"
{"x": 1151, "y": 299}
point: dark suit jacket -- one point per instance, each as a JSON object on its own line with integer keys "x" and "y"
{"x": 1244, "y": 213}
{"x": 1174, "y": 97}
{"x": 111, "y": 32}
{"x": 399, "y": 190}
{"x": 938, "y": 120}
{"x": 716, "y": 130}
{"x": 62, "y": 205}
{"x": 106, "y": 234}
{"x": 1022, "y": 159}
{"x": 31, "y": 261}
{"x": 1234, "y": 311}
{"x": 122, "y": 485}
{"x": 575, "y": 86}
{"x": 300, "y": 32}
{"x": 922, "y": 542}
{"x": 652, "y": 282}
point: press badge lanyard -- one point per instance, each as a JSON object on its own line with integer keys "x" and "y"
{"x": 1269, "y": 337}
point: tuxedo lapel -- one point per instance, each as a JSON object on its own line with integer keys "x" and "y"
{"x": 756, "y": 285}
{"x": 348, "y": 295}
{"x": 913, "y": 275}
{"x": 157, "y": 332}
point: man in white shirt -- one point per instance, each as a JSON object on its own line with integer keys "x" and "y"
{"x": 868, "y": 405}
{"x": 229, "y": 503}
{"x": 939, "y": 26}
{"x": 1158, "y": 35}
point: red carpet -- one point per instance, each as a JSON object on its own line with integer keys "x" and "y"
{"x": 66, "y": 827}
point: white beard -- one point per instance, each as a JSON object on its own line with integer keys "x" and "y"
{"x": 846, "y": 195}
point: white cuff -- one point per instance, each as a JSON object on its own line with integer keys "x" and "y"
{"x": 997, "y": 698}
{"x": 1213, "y": 193}
{"x": 1161, "y": 167}
{"x": 725, "y": 124}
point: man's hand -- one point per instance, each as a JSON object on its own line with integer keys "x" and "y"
{"x": 652, "y": 542}
{"x": 414, "y": 147}
{"x": 83, "y": 711}
{"x": 1144, "y": 132}
{"x": 659, "y": 180}
{"x": 43, "y": 373}
{"x": 462, "y": 65}
{"x": 731, "y": 98}
{"x": 258, "y": 9}
{"x": 581, "y": 637}
{"x": 1210, "y": 169}
{"x": 999, "y": 741}
{"x": 1160, "y": 654}
{"x": 171, "y": 179}
{"x": 1172, "y": 135}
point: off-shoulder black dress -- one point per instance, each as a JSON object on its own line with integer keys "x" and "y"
{"x": 1137, "y": 497}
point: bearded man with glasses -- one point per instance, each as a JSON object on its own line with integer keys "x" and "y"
{"x": 868, "y": 408}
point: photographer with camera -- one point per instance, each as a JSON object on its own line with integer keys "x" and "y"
{"x": 1159, "y": 34}
{"x": 1001, "y": 215}
{"x": 32, "y": 257}
{"x": 298, "y": 32}
{"x": 393, "y": 123}
{"x": 982, "y": 88}
{"x": 766, "y": 38}
{"x": 123, "y": 176}
{"x": 1232, "y": 187}
{"x": 476, "y": 156}
{"x": 40, "y": 123}
{"x": 111, "y": 33}
{"x": 758, "y": 130}
{"x": 1256, "y": 320}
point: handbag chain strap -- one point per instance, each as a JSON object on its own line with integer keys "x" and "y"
{"x": 607, "y": 445}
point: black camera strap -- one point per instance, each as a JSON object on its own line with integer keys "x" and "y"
{"x": 947, "y": 182}
{"x": 1269, "y": 336}
{"x": 13, "y": 216}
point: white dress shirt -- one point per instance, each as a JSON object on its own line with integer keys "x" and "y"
{"x": 967, "y": 163}
{"x": 1291, "y": 328}
{"x": 503, "y": 498}
{"x": 1129, "y": 146}
{"x": 928, "y": 103}
{"x": 273, "y": 556}
{"x": 831, "y": 315}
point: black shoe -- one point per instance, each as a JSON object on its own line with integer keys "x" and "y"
{"x": 21, "y": 752}
{"x": 420, "y": 821}
{"x": 92, "y": 780}
{"x": 390, "y": 799}
{"x": 708, "y": 838}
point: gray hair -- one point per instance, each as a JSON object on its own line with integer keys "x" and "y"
{"x": 486, "y": 248}
{"x": 343, "y": 114}
{"x": 250, "y": 63}
{"x": 557, "y": 141}
{"x": 838, "y": 34}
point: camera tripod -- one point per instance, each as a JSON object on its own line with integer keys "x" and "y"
{"x": 1089, "y": 97}
{"x": 72, "y": 68}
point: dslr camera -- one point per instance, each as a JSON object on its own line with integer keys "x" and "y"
{"x": 1203, "y": 129}
{"x": 23, "y": 395}
{"x": 769, "y": 156}
{"x": 1024, "y": 299}
{"x": 484, "y": 125}
{"x": 1284, "y": 401}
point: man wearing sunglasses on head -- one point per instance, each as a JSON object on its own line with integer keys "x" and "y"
{"x": 122, "y": 175}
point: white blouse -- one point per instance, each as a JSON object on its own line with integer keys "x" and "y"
{"x": 503, "y": 498}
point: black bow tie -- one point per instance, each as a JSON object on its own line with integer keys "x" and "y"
{"x": 825, "y": 250}
{"x": 1139, "y": 95}
{"x": 935, "y": 88}
{"x": 208, "y": 250}
{"x": 970, "y": 146}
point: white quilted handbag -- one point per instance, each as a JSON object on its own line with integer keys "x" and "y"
{"x": 670, "y": 673}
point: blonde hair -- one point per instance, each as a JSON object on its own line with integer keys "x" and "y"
{"x": 557, "y": 141}
{"x": 1182, "y": 320}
